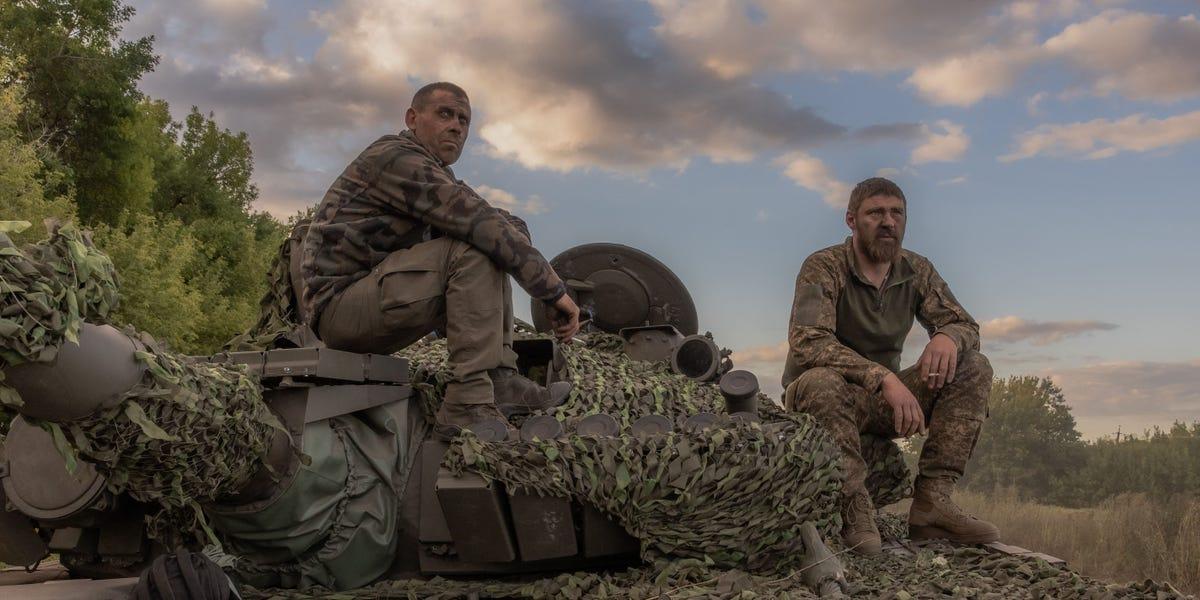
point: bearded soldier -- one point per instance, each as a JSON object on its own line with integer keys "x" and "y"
{"x": 854, "y": 305}
{"x": 400, "y": 247}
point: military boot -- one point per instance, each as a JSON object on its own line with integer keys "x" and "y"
{"x": 934, "y": 515}
{"x": 858, "y": 526}
{"x": 451, "y": 419}
{"x": 518, "y": 395}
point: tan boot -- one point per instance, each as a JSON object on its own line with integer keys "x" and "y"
{"x": 518, "y": 395}
{"x": 858, "y": 526}
{"x": 934, "y": 515}
{"x": 451, "y": 419}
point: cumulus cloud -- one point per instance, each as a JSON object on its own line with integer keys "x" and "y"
{"x": 789, "y": 35}
{"x": 534, "y": 205}
{"x": 944, "y": 141}
{"x": 1132, "y": 394}
{"x": 810, "y": 172}
{"x": 1016, "y": 329}
{"x": 964, "y": 79}
{"x": 1138, "y": 55}
{"x": 1104, "y": 138}
{"x": 564, "y": 86}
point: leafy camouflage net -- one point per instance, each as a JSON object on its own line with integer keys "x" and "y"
{"x": 734, "y": 496}
{"x": 888, "y": 477}
{"x": 933, "y": 571}
{"x": 189, "y": 433}
{"x": 47, "y": 291}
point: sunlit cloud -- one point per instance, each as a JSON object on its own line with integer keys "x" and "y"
{"x": 812, "y": 173}
{"x": 1012, "y": 329}
{"x": 1131, "y": 394}
{"x": 943, "y": 142}
{"x": 1104, "y": 138}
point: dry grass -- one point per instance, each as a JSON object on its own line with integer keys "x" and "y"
{"x": 1128, "y": 538}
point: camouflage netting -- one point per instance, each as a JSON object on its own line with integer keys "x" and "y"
{"x": 933, "y": 571}
{"x": 47, "y": 291}
{"x": 188, "y": 433}
{"x": 735, "y": 496}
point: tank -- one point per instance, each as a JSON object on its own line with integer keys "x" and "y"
{"x": 666, "y": 473}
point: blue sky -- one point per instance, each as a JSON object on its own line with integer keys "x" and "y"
{"x": 1046, "y": 149}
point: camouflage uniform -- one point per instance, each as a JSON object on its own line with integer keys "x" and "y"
{"x": 845, "y": 337}
{"x": 399, "y": 247}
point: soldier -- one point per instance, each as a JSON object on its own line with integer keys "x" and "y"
{"x": 400, "y": 247}
{"x": 853, "y": 307}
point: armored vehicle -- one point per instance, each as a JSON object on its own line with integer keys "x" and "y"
{"x": 304, "y": 470}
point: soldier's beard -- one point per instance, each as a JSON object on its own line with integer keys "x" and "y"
{"x": 879, "y": 250}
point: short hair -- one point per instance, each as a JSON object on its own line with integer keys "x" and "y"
{"x": 869, "y": 188}
{"x": 421, "y": 98}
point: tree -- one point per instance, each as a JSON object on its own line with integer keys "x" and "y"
{"x": 81, "y": 81}
{"x": 1029, "y": 441}
{"x": 22, "y": 193}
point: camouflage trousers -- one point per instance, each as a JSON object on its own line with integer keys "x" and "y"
{"x": 443, "y": 284}
{"x": 954, "y": 415}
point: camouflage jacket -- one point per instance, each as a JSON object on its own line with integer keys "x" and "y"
{"x": 397, "y": 194}
{"x": 842, "y": 321}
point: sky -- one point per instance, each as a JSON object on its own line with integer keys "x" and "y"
{"x": 1045, "y": 148}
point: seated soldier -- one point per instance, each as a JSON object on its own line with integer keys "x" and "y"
{"x": 854, "y": 305}
{"x": 400, "y": 247}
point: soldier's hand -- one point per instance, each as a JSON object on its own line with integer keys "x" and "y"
{"x": 939, "y": 362}
{"x": 564, "y": 316}
{"x": 906, "y": 411}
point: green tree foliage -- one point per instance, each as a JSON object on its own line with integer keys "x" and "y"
{"x": 1029, "y": 442}
{"x": 81, "y": 81}
{"x": 1030, "y": 446}
{"x": 155, "y": 257}
{"x": 1161, "y": 463}
{"x": 22, "y": 193}
{"x": 170, "y": 201}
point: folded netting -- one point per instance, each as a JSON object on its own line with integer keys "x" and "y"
{"x": 735, "y": 495}
{"x": 47, "y": 291}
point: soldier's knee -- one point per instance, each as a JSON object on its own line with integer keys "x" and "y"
{"x": 819, "y": 391}
{"x": 821, "y": 379}
{"x": 468, "y": 260}
{"x": 975, "y": 365}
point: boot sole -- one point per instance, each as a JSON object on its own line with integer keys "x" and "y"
{"x": 929, "y": 532}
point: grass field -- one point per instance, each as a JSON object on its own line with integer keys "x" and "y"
{"x": 1127, "y": 538}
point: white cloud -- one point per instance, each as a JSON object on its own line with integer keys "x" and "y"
{"x": 810, "y": 172}
{"x": 887, "y": 172}
{"x": 1138, "y": 55}
{"x": 1102, "y": 138}
{"x": 1016, "y": 329}
{"x": 964, "y": 79}
{"x": 790, "y": 35}
{"x": 1133, "y": 394}
{"x": 961, "y": 179}
{"x": 563, "y": 87}
{"x": 948, "y": 142}
{"x": 506, "y": 200}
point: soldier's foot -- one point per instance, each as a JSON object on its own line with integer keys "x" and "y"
{"x": 518, "y": 395}
{"x": 451, "y": 419}
{"x": 858, "y": 526}
{"x": 934, "y": 515}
